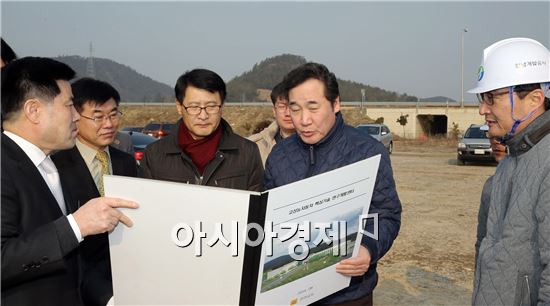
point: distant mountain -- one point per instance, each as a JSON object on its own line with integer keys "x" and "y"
{"x": 263, "y": 76}
{"x": 251, "y": 85}
{"x": 437, "y": 99}
{"x": 132, "y": 86}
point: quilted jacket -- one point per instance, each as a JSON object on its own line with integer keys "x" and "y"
{"x": 512, "y": 265}
{"x": 292, "y": 160}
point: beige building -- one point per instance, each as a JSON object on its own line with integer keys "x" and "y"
{"x": 426, "y": 120}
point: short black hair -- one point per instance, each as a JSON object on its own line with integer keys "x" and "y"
{"x": 313, "y": 71}
{"x": 277, "y": 92}
{"x": 202, "y": 79}
{"x": 7, "y": 52}
{"x": 88, "y": 90}
{"x": 31, "y": 77}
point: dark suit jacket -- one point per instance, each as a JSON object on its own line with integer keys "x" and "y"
{"x": 39, "y": 248}
{"x": 96, "y": 284}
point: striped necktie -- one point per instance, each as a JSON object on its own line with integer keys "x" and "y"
{"x": 103, "y": 158}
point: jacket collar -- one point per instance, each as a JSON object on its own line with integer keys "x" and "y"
{"x": 228, "y": 141}
{"x": 530, "y": 135}
{"x": 270, "y": 131}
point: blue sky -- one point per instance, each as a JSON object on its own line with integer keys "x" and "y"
{"x": 409, "y": 47}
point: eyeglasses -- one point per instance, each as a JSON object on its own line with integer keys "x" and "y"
{"x": 196, "y": 110}
{"x": 489, "y": 97}
{"x": 114, "y": 117}
{"x": 281, "y": 107}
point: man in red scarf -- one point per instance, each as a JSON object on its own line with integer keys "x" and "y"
{"x": 204, "y": 150}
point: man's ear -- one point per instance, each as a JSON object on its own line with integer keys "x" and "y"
{"x": 33, "y": 109}
{"x": 336, "y": 105}
{"x": 179, "y": 107}
{"x": 536, "y": 98}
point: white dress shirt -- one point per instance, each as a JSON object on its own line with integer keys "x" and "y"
{"x": 49, "y": 173}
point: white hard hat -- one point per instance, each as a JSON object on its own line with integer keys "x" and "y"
{"x": 513, "y": 61}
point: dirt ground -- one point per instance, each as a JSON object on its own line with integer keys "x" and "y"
{"x": 432, "y": 260}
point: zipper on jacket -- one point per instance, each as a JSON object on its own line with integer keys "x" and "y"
{"x": 526, "y": 278}
{"x": 311, "y": 161}
{"x": 207, "y": 173}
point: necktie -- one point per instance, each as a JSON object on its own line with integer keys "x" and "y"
{"x": 52, "y": 179}
{"x": 103, "y": 158}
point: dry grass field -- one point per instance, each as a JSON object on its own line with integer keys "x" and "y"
{"x": 243, "y": 119}
{"x": 432, "y": 260}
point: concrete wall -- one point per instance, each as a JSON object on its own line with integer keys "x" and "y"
{"x": 413, "y": 129}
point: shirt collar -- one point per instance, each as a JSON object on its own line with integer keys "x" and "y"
{"x": 88, "y": 154}
{"x": 35, "y": 154}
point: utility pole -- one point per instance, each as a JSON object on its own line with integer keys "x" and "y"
{"x": 363, "y": 91}
{"x": 90, "y": 69}
{"x": 462, "y": 67}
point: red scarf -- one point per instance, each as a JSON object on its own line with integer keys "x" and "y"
{"x": 201, "y": 151}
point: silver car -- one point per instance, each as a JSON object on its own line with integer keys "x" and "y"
{"x": 474, "y": 146}
{"x": 379, "y": 132}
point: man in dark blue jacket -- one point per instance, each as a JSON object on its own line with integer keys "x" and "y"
{"x": 323, "y": 143}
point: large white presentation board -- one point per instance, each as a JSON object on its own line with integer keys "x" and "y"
{"x": 148, "y": 268}
{"x": 157, "y": 263}
{"x": 340, "y": 196}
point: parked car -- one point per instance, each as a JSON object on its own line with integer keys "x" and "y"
{"x": 158, "y": 130}
{"x": 474, "y": 146}
{"x": 379, "y": 132}
{"x": 140, "y": 141}
{"x": 132, "y": 129}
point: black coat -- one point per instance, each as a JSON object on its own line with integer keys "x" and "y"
{"x": 96, "y": 282}
{"x": 40, "y": 253}
{"x": 237, "y": 163}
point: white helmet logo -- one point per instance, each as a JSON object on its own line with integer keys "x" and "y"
{"x": 480, "y": 73}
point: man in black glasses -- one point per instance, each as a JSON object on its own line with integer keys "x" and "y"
{"x": 204, "y": 150}
{"x": 83, "y": 167}
{"x": 513, "y": 257}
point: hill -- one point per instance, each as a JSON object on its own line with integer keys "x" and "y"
{"x": 437, "y": 99}
{"x": 132, "y": 86}
{"x": 251, "y": 85}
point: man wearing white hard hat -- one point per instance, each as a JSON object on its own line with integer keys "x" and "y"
{"x": 513, "y": 259}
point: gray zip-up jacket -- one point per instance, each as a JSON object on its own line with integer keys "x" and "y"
{"x": 512, "y": 266}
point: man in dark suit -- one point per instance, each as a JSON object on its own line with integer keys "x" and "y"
{"x": 41, "y": 227}
{"x": 82, "y": 168}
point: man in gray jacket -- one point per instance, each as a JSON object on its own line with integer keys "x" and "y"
{"x": 512, "y": 265}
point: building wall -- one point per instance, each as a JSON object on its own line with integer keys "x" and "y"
{"x": 462, "y": 116}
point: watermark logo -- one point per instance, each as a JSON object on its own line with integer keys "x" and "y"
{"x": 331, "y": 237}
